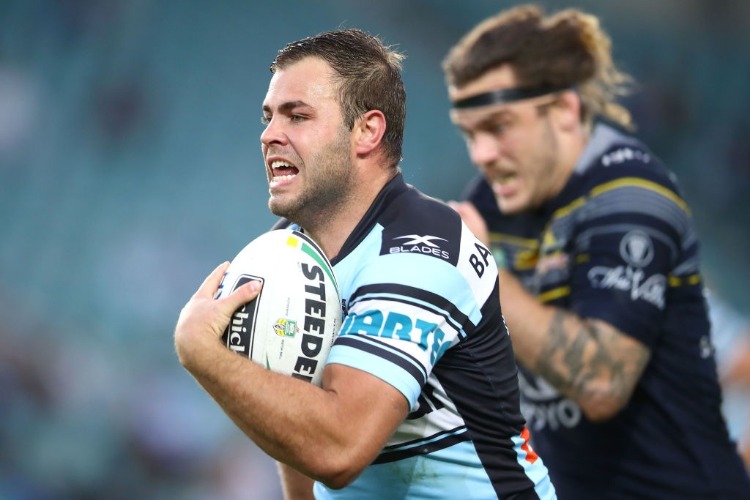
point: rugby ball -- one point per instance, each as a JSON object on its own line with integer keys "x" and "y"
{"x": 290, "y": 327}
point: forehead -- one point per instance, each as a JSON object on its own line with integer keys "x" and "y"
{"x": 502, "y": 77}
{"x": 309, "y": 80}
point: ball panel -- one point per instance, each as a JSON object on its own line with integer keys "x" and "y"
{"x": 290, "y": 327}
{"x": 238, "y": 335}
{"x": 314, "y": 251}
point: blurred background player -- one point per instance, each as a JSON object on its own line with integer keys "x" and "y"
{"x": 600, "y": 282}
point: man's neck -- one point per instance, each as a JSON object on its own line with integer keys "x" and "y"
{"x": 330, "y": 231}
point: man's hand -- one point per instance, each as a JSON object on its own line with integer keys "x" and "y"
{"x": 203, "y": 320}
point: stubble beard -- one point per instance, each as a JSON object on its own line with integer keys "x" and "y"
{"x": 327, "y": 185}
{"x": 546, "y": 162}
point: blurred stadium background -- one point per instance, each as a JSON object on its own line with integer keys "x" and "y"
{"x": 130, "y": 166}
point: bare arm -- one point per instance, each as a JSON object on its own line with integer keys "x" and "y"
{"x": 329, "y": 433}
{"x": 587, "y": 360}
{"x": 296, "y": 486}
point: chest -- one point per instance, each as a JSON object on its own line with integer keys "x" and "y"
{"x": 542, "y": 252}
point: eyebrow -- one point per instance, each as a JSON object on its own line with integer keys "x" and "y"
{"x": 500, "y": 113}
{"x": 287, "y": 106}
{"x": 489, "y": 119}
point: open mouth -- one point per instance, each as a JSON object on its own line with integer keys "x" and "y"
{"x": 282, "y": 171}
{"x": 503, "y": 184}
{"x": 503, "y": 178}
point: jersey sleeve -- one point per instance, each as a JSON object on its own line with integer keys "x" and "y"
{"x": 634, "y": 238}
{"x": 409, "y": 308}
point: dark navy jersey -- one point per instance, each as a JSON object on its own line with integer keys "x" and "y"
{"x": 421, "y": 312}
{"x": 618, "y": 244}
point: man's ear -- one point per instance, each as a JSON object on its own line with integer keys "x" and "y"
{"x": 368, "y": 132}
{"x": 568, "y": 110}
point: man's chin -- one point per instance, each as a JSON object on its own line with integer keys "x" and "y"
{"x": 511, "y": 207}
{"x": 277, "y": 207}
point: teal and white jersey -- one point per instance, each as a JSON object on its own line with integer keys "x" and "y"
{"x": 421, "y": 312}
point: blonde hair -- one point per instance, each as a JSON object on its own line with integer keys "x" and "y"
{"x": 565, "y": 49}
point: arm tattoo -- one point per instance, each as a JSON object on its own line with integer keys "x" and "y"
{"x": 589, "y": 358}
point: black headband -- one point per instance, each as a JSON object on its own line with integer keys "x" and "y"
{"x": 503, "y": 96}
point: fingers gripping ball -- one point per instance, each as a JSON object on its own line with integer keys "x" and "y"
{"x": 290, "y": 327}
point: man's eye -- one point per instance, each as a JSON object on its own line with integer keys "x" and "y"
{"x": 265, "y": 120}
{"x": 297, "y": 118}
{"x": 498, "y": 128}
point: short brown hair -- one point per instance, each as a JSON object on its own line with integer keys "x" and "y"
{"x": 369, "y": 77}
{"x": 565, "y": 49}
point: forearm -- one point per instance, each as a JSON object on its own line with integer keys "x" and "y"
{"x": 588, "y": 361}
{"x": 307, "y": 434}
{"x": 519, "y": 307}
{"x": 330, "y": 433}
{"x": 295, "y": 485}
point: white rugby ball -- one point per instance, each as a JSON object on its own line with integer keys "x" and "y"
{"x": 290, "y": 327}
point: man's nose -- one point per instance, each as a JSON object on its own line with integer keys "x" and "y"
{"x": 272, "y": 134}
{"x": 484, "y": 149}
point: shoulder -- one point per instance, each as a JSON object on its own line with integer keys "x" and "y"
{"x": 623, "y": 161}
{"x": 430, "y": 239}
{"x": 626, "y": 176}
{"x": 415, "y": 223}
{"x": 417, "y": 244}
{"x": 614, "y": 155}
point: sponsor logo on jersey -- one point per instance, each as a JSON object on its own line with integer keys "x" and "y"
{"x": 627, "y": 279}
{"x": 416, "y": 243}
{"x": 624, "y": 154}
{"x": 389, "y": 324}
{"x": 637, "y": 250}
{"x": 543, "y": 406}
{"x": 552, "y": 257}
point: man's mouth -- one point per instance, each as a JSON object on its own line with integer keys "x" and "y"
{"x": 282, "y": 171}
{"x": 503, "y": 185}
{"x": 503, "y": 178}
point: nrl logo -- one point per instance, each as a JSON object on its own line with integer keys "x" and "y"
{"x": 636, "y": 248}
{"x": 285, "y": 327}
